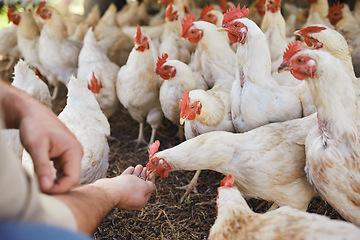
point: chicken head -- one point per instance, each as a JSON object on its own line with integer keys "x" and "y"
{"x": 236, "y": 30}
{"x": 13, "y": 16}
{"x": 273, "y": 6}
{"x": 189, "y": 31}
{"x": 43, "y": 11}
{"x": 335, "y": 13}
{"x": 171, "y": 14}
{"x": 307, "y": 34}
{"x": 207, "y": 16}
{"x": 260, "y": 7}
{"x": 157, "y": 165}
{"x": 141, "y": 41}
{"x": 165, "y": 71}
{"x": 188, "y": 110}
{"x": 300, "y": 66}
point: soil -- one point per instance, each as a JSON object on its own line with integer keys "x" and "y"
{"x": 163, "y": 217}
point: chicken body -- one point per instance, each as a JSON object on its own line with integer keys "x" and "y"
{"x": 213, "y": 57}
{"x": 236, "y": 220}
{"x": 318, "y": 13}
{"x": 26, "y": 80}
{"x": 256, "y": 98}
{"x": 138, "y": 88}
{"x": 8, "y": 42}
{"x": 332, "y": 147}
{"x": 93, "y": 59}
{"x": 267, "y": 162}
{"x": 83, "y": 117}
{"x": 58, "y": 54}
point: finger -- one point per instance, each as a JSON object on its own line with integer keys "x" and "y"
{"x": 143, "y": 173}
{"x": 129, "y": 170}
{"x": 138, "y": 170}
{"x": 42, "y": 167}
{"x": 152, "y": 178}
{"x": 68, "y": 171}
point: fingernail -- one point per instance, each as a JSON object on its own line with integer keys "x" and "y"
{"x": 45, "y": 182}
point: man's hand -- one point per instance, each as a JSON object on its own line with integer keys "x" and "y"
{"x": 46, "y": 138}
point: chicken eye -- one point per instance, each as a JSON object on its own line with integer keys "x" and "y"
{"x": 166, "y": 67}
{"x": 236, "y": 25}
{"x": 300, "y": 60}
{"x": 209, "y": 15}
{"x": 154, "y": 162}
{"x": 192, "y": 31}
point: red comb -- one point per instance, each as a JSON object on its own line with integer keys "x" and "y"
{"x": 205, "y": 10}
{"x": 153, "y": 148}
{"x": 228, "y": 181}
{"x": 187, "y": 23}
{"x": 169, "y": 11}
{"x": 291, "y": 49}
{"x": 311, "y": 29}
{"x": 40, "y": 6}
{"x": 235, "y": 13}
{"x": 184, "y": 100}
{"x": 161, "y": 61}
{"x": 138, "y": 34}
{"x": 335, "y": 7}
{"x": 10, "y": 12}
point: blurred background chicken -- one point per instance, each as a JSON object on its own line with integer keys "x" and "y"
{"x": 236, "y": 220}
{"x": 332, "y": 147}
{"x": 213, "y": 58}
{"x": 138, "y": 88}
{"x": 57, "y": 54}
{"x": 83, "y": 117}
{"x": 96, "y": 69}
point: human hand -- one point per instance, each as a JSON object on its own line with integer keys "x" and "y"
{"x": 45, "y": 137}
{"x": 131, "y": 190}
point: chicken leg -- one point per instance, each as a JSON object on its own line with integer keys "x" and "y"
{"x": 191, "y": 186}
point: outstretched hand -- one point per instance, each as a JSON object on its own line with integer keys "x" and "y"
{"x": 129, "y": 189}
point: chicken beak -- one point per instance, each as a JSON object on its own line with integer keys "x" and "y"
{"x": 297, "y": 33}
{"x": 149, "y": 174}
{"x": 222, "y": 29}
{"x": 182, "y": 120}
{"x": 283, "y": 67}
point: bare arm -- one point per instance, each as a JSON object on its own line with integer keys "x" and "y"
{"x": 91, "y": 203}
{"x": 45, "y": 138}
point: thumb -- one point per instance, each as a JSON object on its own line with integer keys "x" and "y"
{"x": 43, "y": 168}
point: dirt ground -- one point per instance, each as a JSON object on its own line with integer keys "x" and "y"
{"x": 164, "y": 217}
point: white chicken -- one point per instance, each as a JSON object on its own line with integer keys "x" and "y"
{"x": 267, "y": 162}
{"x": 26, "y": 80}
{"x": 28, "y": 34}
{"x": 178, "y": 77}
{"x": 318, "y": 13}
{"x": 94, "y": 61}
{"x": 213, "y": 57}
{"x": 236, "y": 220}
{"x": 332, "y": 147}
{"x": 8, "y": 44}
{"x": 138, "y": 88}
{"x": 57, "y": 54}
{"x": 256, "y": 98}
{"x": 171, "y": 43}
{"x": 340, "y": 16}
{"x": 84, "y": 118}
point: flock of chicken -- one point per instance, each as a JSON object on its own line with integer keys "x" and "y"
{"x": 234, "y": 90}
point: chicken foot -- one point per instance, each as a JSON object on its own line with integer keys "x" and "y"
{"x": 191, "y": 186}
